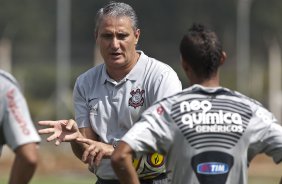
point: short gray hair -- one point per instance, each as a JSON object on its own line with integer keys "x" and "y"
{"x": 116, "y": 9}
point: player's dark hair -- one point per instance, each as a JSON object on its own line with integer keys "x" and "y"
{"x": 202, "y": 50}
{"x": 117, "y": 9}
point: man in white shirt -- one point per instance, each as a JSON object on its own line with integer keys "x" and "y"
{"x": 110, "y": 97}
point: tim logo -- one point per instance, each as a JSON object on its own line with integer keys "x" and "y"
{"x": 212, "y": 168}
{"x": 137, "y": 98}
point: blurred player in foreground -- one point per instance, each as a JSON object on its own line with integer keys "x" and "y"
{"x": 111, "y": 97}
{"x": 17, "y": 130}
{"x": 205, "y": 130}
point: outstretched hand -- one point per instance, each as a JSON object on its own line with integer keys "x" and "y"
{"x": 95, "y": 151}
{"x": 63, "y": 130}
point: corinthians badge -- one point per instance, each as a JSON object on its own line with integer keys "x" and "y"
{"x": 136, "y": 98}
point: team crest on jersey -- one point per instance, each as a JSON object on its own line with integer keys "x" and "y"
{"x": 137, "y": 98}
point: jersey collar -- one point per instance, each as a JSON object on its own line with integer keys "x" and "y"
{"x": 139, "y": 68}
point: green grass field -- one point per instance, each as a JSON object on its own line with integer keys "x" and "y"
{"x": 56, "y": 180}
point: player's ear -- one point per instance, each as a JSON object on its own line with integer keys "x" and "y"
{"x": 137, "y": 35}
{"x": 223, "y": 57}
{"x": 187, "y": 69}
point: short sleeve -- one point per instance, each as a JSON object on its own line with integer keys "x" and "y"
{"x": 272, "y": 142}
{"x": 268, "y": 136}
{"x": 80, "y": 106}
{"x": 152, "y": 133}
{"x": 18, "y": 127}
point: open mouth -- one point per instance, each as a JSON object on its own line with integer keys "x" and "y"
{"x": 115, "y": 54}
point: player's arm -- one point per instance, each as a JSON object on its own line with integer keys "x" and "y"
{"x": 21, "y": 136}
{"x": 25, "y": 163}
{"x": 77, "y": 147}
{"x": 122, "y": 164}
{"x": 92, "y": 150}
{"x": 271, "y": 142}
{"x": 89, "y": 149}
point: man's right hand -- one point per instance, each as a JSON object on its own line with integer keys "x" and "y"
{"x": 63, "y": 130}
{"x": 95, "y": 151}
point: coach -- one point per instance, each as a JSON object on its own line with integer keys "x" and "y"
{"x": 110, "y": 98}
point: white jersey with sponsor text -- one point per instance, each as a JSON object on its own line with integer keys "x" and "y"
{"x": 206, "y": 134}
{"x": 16, "y": 127}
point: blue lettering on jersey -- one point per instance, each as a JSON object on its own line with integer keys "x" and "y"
{"x": 212, "y": 168}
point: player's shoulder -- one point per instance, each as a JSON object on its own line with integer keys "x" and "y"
{"x": 171, "y": 100}
{"x": 251, "y": 101}
{"x": 257, "y": 108}
{"x": 7, "y": 79}
{"x": 155, "y": 65}
{"x": 91, "y": 73}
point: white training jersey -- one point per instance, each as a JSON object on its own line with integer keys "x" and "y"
{"x": 16, "y": 127}
{"x": 205, "y": 134}
{"x": 110, "y": 108}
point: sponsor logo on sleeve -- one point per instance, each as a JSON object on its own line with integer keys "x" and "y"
{"x": 160, "y": 110}
{"x": 17, "y": 112}
{"x": 265, "y": 115}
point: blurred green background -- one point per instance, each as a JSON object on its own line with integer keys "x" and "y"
{"x": 30, "y": 36}
{"x": 32, "y": 48}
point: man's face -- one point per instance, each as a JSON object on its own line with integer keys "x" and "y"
{"x": 117, "y": 40}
